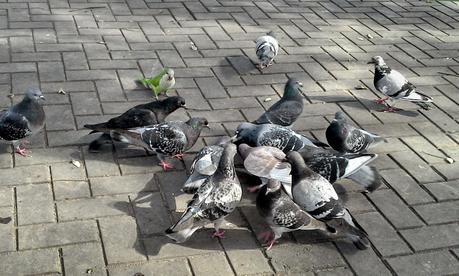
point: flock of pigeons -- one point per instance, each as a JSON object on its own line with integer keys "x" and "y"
{"x": 296, "y": 172}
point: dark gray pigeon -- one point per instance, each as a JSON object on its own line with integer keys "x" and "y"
{"x": 23, "y": 120}
{"x": 315, "y": 195}
{"x": 204, "y": 165}
{"x": 287, "y": 109}
{"x": 282, "y": 214}
{"x": 396, "y": 87}
{"x": 138, "y": 116}
{"x": 344, "y": 137}
{"x": 215, "y": 199}
{"x": 333, "y": 166}
{"x": 266, "y": 49}
{"x": 271, "y": 135}
{"x": 169, "y": 138}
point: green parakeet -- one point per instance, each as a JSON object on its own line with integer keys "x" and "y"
{"x": 160, "y": 83}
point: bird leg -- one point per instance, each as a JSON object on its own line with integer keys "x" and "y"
{"x": 163, "y": 163}
{"x": 255, "y": 188}
{"x": 179, "y": 156}
{"x": 22, "y": 151}
{"x": 381, "y": 101}
{"x": 219, "y": 233}
{"x": 270, "y": 243}
{"x": 266, "y": 235}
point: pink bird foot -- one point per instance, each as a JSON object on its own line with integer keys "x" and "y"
{"x": 165, "y": 165}
{"x": 219, "y": 234}
{"x": 389, "y": 109}
{"x": 23, "y": 152}
{"x": 270, "y": 244}
{"x": 381, "y": 101}
{"x": 179, "y": 156}
{"x": 266, "y": 236}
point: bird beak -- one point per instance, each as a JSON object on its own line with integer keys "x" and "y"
{"x": 43, "y": 98}
{"x": 234, "y": 139}
{"x": 207, "y": 126}
{"x": 300, "y": 84}
{"x": 184, "y": 106}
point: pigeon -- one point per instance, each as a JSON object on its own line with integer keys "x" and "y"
{"x": 282, "y": 214}
{"x": 272, "y": 135}
{"x": 344, "y": 137}
{"x": 160, "y": 83}
{"x": 315, "y": 195}
{"x": 396, "y": 87}
{"x": 204, "y": 165}
{"x": 168, "y": 138}
{"x": 22, "y": 120}
{"x": 217, "y": 197}
{"x": 333, "y": 166}
{"x": 270, "y": 163}
{"x": 287, "y": 109}
{"x": 266, "y": 49}
{"x": 138, "y": 116}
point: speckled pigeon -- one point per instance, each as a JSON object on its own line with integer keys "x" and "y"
{"x": 138, "y": 116}
{"x": 169, "y": 138}
{"x": 272, "y": 135}
{"x": 266, "y": 49}
{"x": 282, "y": 214}
{"x": 344, "y": 137}
{"x": 287, "y": 109}
{"x": 396, "y": 87}
{"x": 204, "y": 165}
{"x": 315, "y": 195}
{"x": 217, "y": 197}
{"x": 22, "y": 120}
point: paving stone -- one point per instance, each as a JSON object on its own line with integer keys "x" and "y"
{"x": 24, "y": 175}
{"x": 30, "y": 262}
{"x": 210, "y": 264}
{"x": 431, "y": 237}
{"x": 405, "y": 186}
{"x": 85, "y": 103}
{"x": 48, "y": 235}
{"x": 59, "y": 117}
{"x": 173, "y": 267}
{"x": 6, "y": 196}
{"x": 101, "y": 164}
{"x": 121, "y": 243}
{"x": 70, "y": 189}
{"x": 31, "y": 196}
{"x": 90, "y": 208}
{"x": 84, "y": 259}
{"x": 444, "y": 190}
{"x": 68, "y": 171}
{"x": 439, "y": 212}
{"x": 381, "y": 234}
{"x": 211, "y": 88}
{"x": 394, "y": 209}
{"x": 123, "y": 184}
{"x": 362, "y": 262}
{"x": 51, "y": 71}
{"x": 7, "y": 239}
{"x": 49, "y": 156}
{"x": 432, "y": 263}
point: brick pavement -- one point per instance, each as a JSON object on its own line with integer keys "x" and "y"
{"x": 106, "y": 217}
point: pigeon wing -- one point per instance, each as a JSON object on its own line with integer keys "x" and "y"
{"x": 133, "y": 118}
{"x": 165, "y": 139}
{"x": 13, "y": 126}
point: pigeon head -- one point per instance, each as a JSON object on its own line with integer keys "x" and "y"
{"x": 198, "y": 123}
{"x": 34, "y": 94}
{"x": 339, "y": 116}
{"x": 297, "y": 162}
{"x": 170, "y": 74}
{"x": 292, "y": 88}
{"x": 377, "y": 60}
{"x": 271, "y": 33}
{"x": 175, "y": 102}
{"x": 272, "y": 186}
{"x": 244, "y": 150}
{"x": 243, "y": 131}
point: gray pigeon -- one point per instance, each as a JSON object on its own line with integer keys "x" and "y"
{"x": 215, "y": 199}
{"x": 169, "y": 138}
{"x": 344, "y": 137}
{"x": 266, "y": 49}
{"x": 396, "y": 87}
{"x": 287, "y": 109}
{"x": 270, "y": 163}
{"x": 282, "y": 214}
{"x": 204, "y": 165}
{"x": 22, "y": 120}
{"x": 272, "y": 135}
{"x": 138, "y": 116}
{"x": 315, "y": 195}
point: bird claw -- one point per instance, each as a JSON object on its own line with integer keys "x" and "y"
{"x": 380, "y": 101}
{"x": 389, "y": 110}
{"x": 179, "y": 156}
{"x": 165, "y": 165}
{"x": 23, "y": 152}
{"x": 270, "y": 244}
{"x": 219, "y": 234}
{"x": 266, "y": 236}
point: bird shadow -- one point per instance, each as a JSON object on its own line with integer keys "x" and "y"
{"x": 242, "y": 64}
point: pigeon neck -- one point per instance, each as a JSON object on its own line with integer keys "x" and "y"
{"x": 226, "y": 166}
{"x": 192, "y": 132}
{"x": 291, "y": 93}
{"x": 381, "y": 71}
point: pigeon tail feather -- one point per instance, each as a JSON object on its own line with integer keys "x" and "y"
{"x": 368, "y": 177}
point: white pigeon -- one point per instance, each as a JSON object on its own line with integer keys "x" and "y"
{"x": 395, "y": 86}
{"x": 266, "y": 48}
